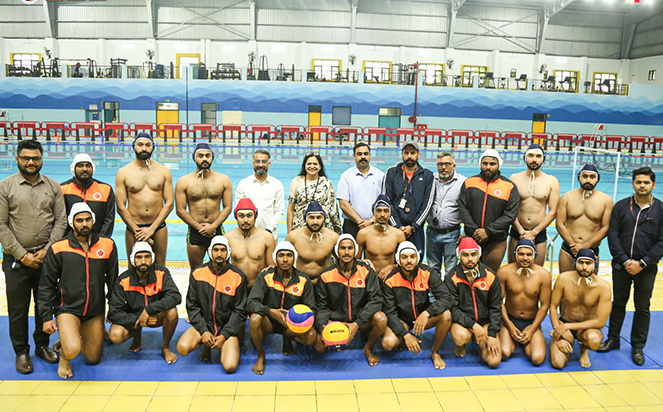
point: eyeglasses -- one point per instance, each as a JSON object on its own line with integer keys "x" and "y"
{"x": 312, "y": 154}
{"x": 26, "y": 159}
{"x": 445, "y": 164}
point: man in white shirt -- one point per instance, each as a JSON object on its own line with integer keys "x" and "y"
{"x": 357, "y": 190}
{"x": 265, "y": 191}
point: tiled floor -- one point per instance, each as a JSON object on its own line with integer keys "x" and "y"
{"x": 631, "y": 390}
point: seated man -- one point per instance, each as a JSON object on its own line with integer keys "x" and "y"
{"x": 379, "y": 241}
{"x": 71, "y": 287}
{"x": 276, "y": 290}
{"x": 144, "y": 296}
{"x": 584, "y": 300}
{"x": 216, "y": 305}
{"x": 349, "y": 292}
{"x": 407, "y": 306}
{"x": 526, "y": 288}
{"x": 477, "y": 309}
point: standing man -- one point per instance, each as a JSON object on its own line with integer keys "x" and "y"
{"x": 583, "y": 217}
{"x": 71, "y": 289}
{"x": 411, "y": 188}
{"x": 539, "y": 196}
{"x": 144, "y": 296}
{"x": 27, "y": 229}
{"x": 144, "y": 197}
{"x": 357, "y": 189}
{"x": 202, "y": 192}
{"x": 252, "y": 247}
{"x": 98, "y": 195}
{"x": 526, "y": 288}
{"x": 443, "y": 232}
{"x": 635, "y": 237}
{"x": 488, "y": 204}
{"x": 265, "y": 191}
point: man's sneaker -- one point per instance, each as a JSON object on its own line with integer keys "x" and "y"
{"x": 608, "y": 345}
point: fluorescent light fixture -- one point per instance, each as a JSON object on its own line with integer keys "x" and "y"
{"x": 128, "y": 46}
{"x": 424, "y": 52}
{"x": 229, "y": 48}
{"x": 327, "y": 48}
{"x": 561, "y": 59}
{"x": 181, "y": 46}
{"x": 278, "y": 48}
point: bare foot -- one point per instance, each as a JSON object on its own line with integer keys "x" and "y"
{"x": 57, "y": 346}
{"x": 460, "y": 351}
{"x": 584, "y": 357}
{"x": 64, "y": 369}
{"x": 401, "y": 346}
{"x": 205, "y": 354}
{"x": 288, "y": 349}
{"x": 437, "y": 361}
{"x": 169, "y": 356}
{"x": 259, "y": 367}
{"x": 370, "y": 356}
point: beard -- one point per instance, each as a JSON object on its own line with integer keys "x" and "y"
{"x": 143, "y": 155}
{"x": 410, "y": 162}
{"x": 205, "y": 165}
{"x": 27, "y": 172}
{"x": 246, "y": 232}
{"x": 533, "y": 166}
{"x": 588, "y": 186}
{"x": 313, "y": 230}
{"x": 83, "y": 232}
{"x": 260, "y": 171}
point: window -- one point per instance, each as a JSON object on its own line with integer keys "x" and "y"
{"x": 469, "y": 72}
{"x": 341, "y": 115}
{"x": 567, "y": 80}
{"x": 326, "y": 69}
{"x": 433, "y": 73}
{"x": 27, "y": 60}
{"x": 652, "y": 75}
{"x": 604, "y": 83}
{"x": 377, "y": 71}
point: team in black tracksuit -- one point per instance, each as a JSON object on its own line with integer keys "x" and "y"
{"x": 634, "y": 234}
{"x": 347, "y": 300}
{"x": 101, "y": 199}
{"x": 488, "y": 204}
{"x": 405, "y": 300}
{"x": 418, "y": 194}
{"x": 216, "y": 300}
{"x": 479, "y": 302}
{"x": 269, "y": 292}
{"x": 130, "y": 297}
{"x": 72, "y": 279}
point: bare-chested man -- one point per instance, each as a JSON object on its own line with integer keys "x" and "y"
{"x": 203, "y": 192}
{"x": 583, "y": 217}
{"x": 252, "y": 247}
{"x": 539, "y": 192}
{"x": 584, "y": 301}
{"x": 526, "y": 287}
{"x": 144, "y": 197}
{"x": 379, "y": 241}
{"x": 314, "y": 242}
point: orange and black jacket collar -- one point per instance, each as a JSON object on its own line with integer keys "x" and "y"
{"x": 347, "y": 300}
{"x": 216, "y": 300}
{"x": 99, "y": 196}
{"x": 270, "y": 292}
{"x": 479, "y": 302}
{"x": 72, "y": 279}
{"x": 405, "y": 300}
{"x": 130, "y": 297}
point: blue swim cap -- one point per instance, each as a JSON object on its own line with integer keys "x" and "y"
{"x": 525, "y": 243}
{"x": 314, "y": 207}
{"x": 589, "y": 167}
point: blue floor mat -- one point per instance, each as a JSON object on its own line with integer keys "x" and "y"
{"x": 118, "y": 364}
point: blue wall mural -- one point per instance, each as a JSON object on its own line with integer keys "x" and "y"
{"x": 46, "y": 98}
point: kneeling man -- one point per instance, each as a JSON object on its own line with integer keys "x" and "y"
{"x": 144, "y": 296}
{"x": 349, "y": 292}
{"x": 76, "y": 269}
{"x": 584, "y": 301}
{"x": 216, "y": 305}
{"x": 477, "y": 309}
{"x": 276, "y": 290}
{"x": 526, "y": 288}
{"x": 406, "y": 303}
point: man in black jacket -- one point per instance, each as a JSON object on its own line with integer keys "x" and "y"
{"x": 406, "y": 304}
{"x": 476, "y": 294}
{"x": 411, "y": 188}
{"x": 349, "y": 292}
{"x": 216, "y": 305}
{"x": 71, "y": 288}
{"x": 275, "y": 291}
{"x": 635, "y": 237}
{"x": 144, "y": 296}
{"x": 488, "y": 205}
